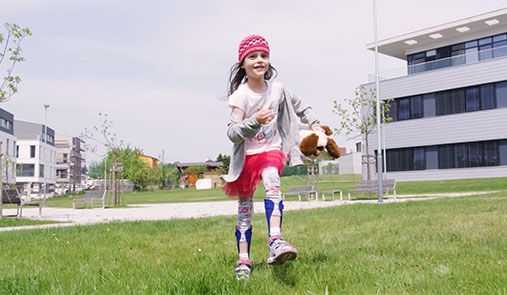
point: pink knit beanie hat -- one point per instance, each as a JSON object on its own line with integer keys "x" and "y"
{"x": 250, "y": 44}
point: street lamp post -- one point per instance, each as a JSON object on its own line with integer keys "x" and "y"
{"x": 45, "y": 139}
{"x": 377, "y": 83}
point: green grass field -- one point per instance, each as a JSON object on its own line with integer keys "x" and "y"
{"x": 10, "y": 221}
{"x": 445, "y": 246}
{"x": 343, "y": 182}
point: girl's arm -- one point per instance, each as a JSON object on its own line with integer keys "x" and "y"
{"x": 303, "y": 111}
{"x": 240, "y": 128}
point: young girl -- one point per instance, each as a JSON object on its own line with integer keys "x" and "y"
{"x": 264, "y": 132}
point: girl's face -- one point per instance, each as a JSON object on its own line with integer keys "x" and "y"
{"x": 256, "y": 64}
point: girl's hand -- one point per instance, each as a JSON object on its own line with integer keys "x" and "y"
{"x": 265, "y": 116}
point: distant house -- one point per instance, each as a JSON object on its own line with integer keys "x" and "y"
{"x": 70, "y": 163}
{"x": 7, "y": 147}
{"x": 191, "y": 172}
{"x": 151, "y": 161}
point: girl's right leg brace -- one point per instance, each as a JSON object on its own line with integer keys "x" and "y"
{"x": 244, "y": 228}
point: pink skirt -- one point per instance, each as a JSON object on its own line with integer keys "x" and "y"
{"x": 244, "y": 187}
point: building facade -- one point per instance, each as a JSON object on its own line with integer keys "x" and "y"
{"x": 449, "y": 107}
{"x": 36, "y": 158}
{"x": 7, "y": 147}
{"x": 70, "y": 164}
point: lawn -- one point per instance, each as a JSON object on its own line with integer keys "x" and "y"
{"x": 445, "y": 246}
{"x": 343, "y": 182}
{"x": 10, "y": 221}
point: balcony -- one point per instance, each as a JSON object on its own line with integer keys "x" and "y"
{"x": 458, "y": 60}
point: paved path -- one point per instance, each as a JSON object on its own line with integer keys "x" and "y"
{"x": 71, "y": 217}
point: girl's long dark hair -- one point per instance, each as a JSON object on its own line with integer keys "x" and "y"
{"x": 238, "y": 76}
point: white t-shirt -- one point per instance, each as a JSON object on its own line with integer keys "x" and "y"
{"x": 250, "y": 102}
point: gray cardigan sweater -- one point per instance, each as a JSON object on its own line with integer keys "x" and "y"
{"x": 290, "y": 111}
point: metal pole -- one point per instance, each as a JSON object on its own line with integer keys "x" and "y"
{"x": 46, "y": 106}
{"x": 105, "y": 183}
{"x": 379, "y": 151}
{"x": 384, "y": 149}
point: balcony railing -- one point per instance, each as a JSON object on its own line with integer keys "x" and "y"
{"x": 467, "y": 58}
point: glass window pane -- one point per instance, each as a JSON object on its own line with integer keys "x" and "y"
{"x": 429, "y": 106}
{"x": 501, "y": 94}
{"x": 473, "y": 154}
{"x": 471, "y": 55}
{"x": 432, "y": 157}
{"x": 458, "y": 98}
{"x": 503, "y": 152}
{"x": 472, "y": 99}
{"x": 485, "y": 52}
{"x": 419, "y": 159}
{"x": 487, "y": 97}
{"x": 393, "y": 111}
{"x": 500, "y": 48}
{"x": 499, "y": 37}
{"x": 441, "y": 103}
{"x": 416, "y": 106}
{"x": 485, "y": 41}
{"x": 491, "y": 153}
{"x": 404, "y": 109}
{"x": 471, "y": 44}
{"x": 461, "y": 155}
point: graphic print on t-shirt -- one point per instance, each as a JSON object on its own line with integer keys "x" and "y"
{"x": 265, "y": 136}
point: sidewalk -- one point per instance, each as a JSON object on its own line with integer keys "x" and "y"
{"x": 71, "y": 217}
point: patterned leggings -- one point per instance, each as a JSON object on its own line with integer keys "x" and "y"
{"x": 273, "y": 205}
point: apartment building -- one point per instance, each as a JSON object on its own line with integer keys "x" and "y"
{"x": 7, "y": 147}
{"x": 449, "y": 103}
{"x": 36, "y": 157}
{"x": 70, "y": 163}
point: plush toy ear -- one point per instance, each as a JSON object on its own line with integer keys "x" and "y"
{"x": 332, "y": 148}
{"x": 327, "y": 130}
{"x": 308, "y": 145}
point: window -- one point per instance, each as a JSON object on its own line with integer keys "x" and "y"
{"x": 502, "y": 146}
{"x": 41, "y": 170}
{"x": 416, "y": 107}
{"x": 393, "y": 111}
{"x": 419, "y": 159}
{"x": 404, "y": 109}
{"x": 32, "y": 151}
{"x": 461, "y": 155}
{"x": 501, "y": 94}
{"x": 17, "y": 151}
{"x": 458, "y": 100}
{"x": 358, "y": 147}
{"x": 27, "y": 170}
{"x": 7, "y": 147}
{"x": 485, "y": 46}
{"x": 457, "y": 53}
{"x": 472, "y": 99}
{"x": 429, "y": 105}
{"x": 446, "y": 156}
{"x": 500, "y": 45}
{"x": 487, "y": 97}
{"x": 471, "y": 52}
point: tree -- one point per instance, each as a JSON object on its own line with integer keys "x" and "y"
{"x": 134, "y": 169}
{"x": 226, "y": 160}
{"x": 360, "y": 115}
{"x": 169, "y": 175}
{"x": 10, "y": 55}
{"x": 10, "y": 48}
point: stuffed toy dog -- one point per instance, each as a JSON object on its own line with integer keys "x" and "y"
{"x": 314, "y": 143}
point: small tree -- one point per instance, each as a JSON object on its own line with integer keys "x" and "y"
{"x": 226, "y": 160}
{"x": 360, "y": 115}
{"x": 10, "y": 48}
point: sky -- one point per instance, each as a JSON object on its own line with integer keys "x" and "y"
{"x": 159, "y": 69}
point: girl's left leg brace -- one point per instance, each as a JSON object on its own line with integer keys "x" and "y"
{"x": 244, "y": 228}
{"x": 273, "y": 204}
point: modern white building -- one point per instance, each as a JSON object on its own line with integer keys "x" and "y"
{"x": 450, "y": 102}
{"x": 36, "y": 157}
{"x": 7, "y": 147}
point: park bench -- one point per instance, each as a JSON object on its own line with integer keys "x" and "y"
{"x": 12, "y": 196}
{"x": 302, "y": 190}
{"x": 370, "y": 187}
{"x": 91, "y": 195}
{"x": 332, "y": 192}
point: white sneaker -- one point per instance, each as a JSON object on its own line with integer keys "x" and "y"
{"x": 280, "y": 251}
{"x": 243, "y": 269}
